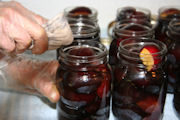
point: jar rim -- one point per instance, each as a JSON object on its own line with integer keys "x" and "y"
{"x": 172, "y": 26}
{"x": 149, "y": 28}
{"x": 163, "y": 8}
{"x": 91, "y": 28}
{"x": 95, "y": 45}
{"x": 142, "y": 41}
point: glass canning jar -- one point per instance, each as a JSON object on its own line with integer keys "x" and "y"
{"x": 127, "y": 29}
{"x": 173, "y": 56}
{"x": 165, "y": 15}
{"x": 83, "y": 80}
{"x": 139, "y": 84}
{"x": 173, "y": 61}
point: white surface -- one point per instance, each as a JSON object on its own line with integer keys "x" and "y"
{"x": 106, "y": 8}
{"x": 169, "y": 113}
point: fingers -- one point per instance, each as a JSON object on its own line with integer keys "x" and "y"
{"x": 34, "y": 75}
{"x": 39, "y": 19}
{"x": 44, "y": 82}
{"x": 6, "y": 43}
{"x": 40, "y": 40}
{"x": 22, "y": 26}
{"x": 34, "y": 28}
{"x": 49, "y": 90}
{"x": 36, "y": 32}
{"x": 17, "y": 36}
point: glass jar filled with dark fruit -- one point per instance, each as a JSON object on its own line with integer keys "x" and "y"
{"x": 139, "y": 85}
{"x": 173, "y": 63}
{"x": 173, "y": 56}
{"x": 81, "y": 12}
{"x": 130, "y": 12}
{"x": 83, "y": 80}
{"x": 166, "y": 14}
{"x": 127, "y": 29}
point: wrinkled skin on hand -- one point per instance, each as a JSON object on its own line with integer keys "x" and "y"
{"x": 19, "y": 26}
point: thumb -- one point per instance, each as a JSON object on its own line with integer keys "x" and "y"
{"x": 49, "y": 90}
{"x": 44, "y": 82}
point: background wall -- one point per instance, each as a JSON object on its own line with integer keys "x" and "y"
{"x": 106, "y": 8}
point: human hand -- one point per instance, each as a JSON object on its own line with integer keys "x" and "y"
{"x": 32, "y": 76}
{"x": 19, "y": 26}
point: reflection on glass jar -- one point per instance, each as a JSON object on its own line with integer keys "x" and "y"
{"x": 127, "y": 29}
{"x": 81, "y": 12}
{"x": 130, "y": 12}
{"x": 139, "y": 85}
{"x": 166, "y": 14}
{"x": 83, "y": 80}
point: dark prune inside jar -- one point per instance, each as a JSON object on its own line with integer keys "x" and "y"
{"x": 139, "y": 84}
{"x": 81, "y": 12}
{"x": 83, "y": 80}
